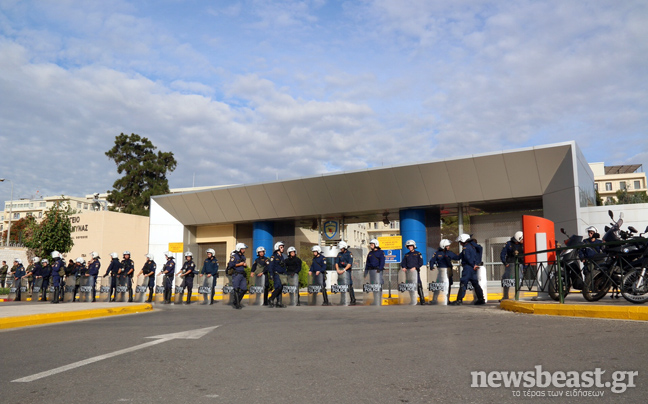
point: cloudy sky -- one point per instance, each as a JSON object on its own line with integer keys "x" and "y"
{"x": 250, "y": 91}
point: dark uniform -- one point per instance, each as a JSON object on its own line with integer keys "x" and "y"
{"x": 80, "y": 272}
{"x": 3, "y": 275}
{"x": 443, "y": 258}
{"x": 56, "y": 278}
{"x": 188, "y": 272}
{"x": 46, "y": 273}
{"x": 36, "y": 273}
{"x": 93, "y": 273}
{"x": 293, "y": 267}
{"x": 210, "y": 268}
{"x": 276, "y": 269}
{"x": 344, "y": 259}
{"x": 18, "y": 274}
{"x": 239, "y": 282}
{"x": 113, "y": 270}
{"x": 148, "y": 270}
{"x": 169, "y": 272}
{"x": 319, "y": 265}
{"x": 375, "y": 261}
{"x": 511, "y": 250}
{"x": 128, "y": 268}
{"x": 470, "y": 258}
{"x": 414, "y": 259}
{"x": 263, "y": 263}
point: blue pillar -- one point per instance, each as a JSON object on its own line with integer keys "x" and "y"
{"x": 262, "y": 234}
{"x": 412, "y": 227}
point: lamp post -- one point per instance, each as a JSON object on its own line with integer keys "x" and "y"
{"x": 10, "y": 211}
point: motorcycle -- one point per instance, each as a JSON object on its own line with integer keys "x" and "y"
{"x": 571, "y": 274}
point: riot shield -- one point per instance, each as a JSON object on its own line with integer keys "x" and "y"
{"x": 205, "y": 286}
{"x": 228, "y": 289}
{"x": 121, "y": 294}
{"x": 285, "y": 292}
{"x": 179, "y": 289}
{"x": 372, "y": 288}
{"x": 292, "y": 289}
{"x": 68, "y": 290}
{"x": 24, "y": 289}
{"x": 315, "y": 286}
{"x": 38, "y": 283}
{"x": 257, "y": 285}
{"x": 407, "y": 283}
{"x": 104, "y": 289}
{"x": 85, "y": 288}
{"x": 341, "y": 289}
{"x": 438, "y": 284}
{"x": 12, "y": 288}
{"x": 483, "y": 282}
{"x": 159, "y": 288}
{"x": 141, "y": 288}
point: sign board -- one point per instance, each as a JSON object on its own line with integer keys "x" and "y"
{"x": 176, "y": 247}
{"x": 332, "y": 230}
{"x": 391, "y": 243}
{"x": 392, "y": 256}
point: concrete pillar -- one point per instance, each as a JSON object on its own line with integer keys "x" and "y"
{"x": 412, "y": 227}
{"x": 262, "y": 236}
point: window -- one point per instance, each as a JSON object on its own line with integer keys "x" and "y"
{"x": 637, "y": 185}
{"x": 78, "y": 205}
{"x": 622, "y": 185}
{"x": 85, "y": 206}
{"x": 16, "y": 216}
{"x": 608, "y": 186}
{"x": 40, "y": 215}
{"x": 42, "y": 204}
{"x": 596, "y": 186}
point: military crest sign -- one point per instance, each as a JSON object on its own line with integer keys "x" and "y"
{"x": 332, "y": 230}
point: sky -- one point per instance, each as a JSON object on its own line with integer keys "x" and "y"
{"x": 254, "y": 91}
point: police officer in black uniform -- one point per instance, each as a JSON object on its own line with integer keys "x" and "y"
{"x": 210, "y": 270}
{"x": 148, "y": 270}
{"x": 18, "y": 272}
{"x": 443, "y": 258}
{"x": 293, "y": 267}
{"x": 237, "y": 265}
{"x": 344, "y": 263}
{"x": 260, "y": 268}
{"x": 127, "y": 272}
{"x": 508, "y": 256}
{"x": 188, "y": 272}
{"x": 318, "y": 271}
{"x": 80, "y": 271}
{"x": 169, "y": 272}
{"x": 113, "y": 270}
{"x": 46, "y": 271}
{"x": 93, "y": 273}
{"x": 413, "y": 260}
{"x": 276, "y": 268}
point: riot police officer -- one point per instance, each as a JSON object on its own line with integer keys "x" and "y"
{"x": 593, "y": 242}
{"x": 114, "y": 270}
{"x": 210, "y": 270}
{"x": 293, "y": 267}
{"x": 3, "y": 274}
{"x": 318, "y": 271}
{"x": 80, "y": 272}
{"x": 57, "y": 265}
{"x": 169, "y": 272}
{"x": 277, "y": 269}
{"x": 239, "y": 282}
{"x": 29, "y": 273}
{"x": 127, "y": 272}
{"x": 443, "y": 258}
{"x": 260, "y": 268}
{"x": 344, "y": 263}
{"x": 413, "y": 260}
{"x": 18, "y": 273}
{"x": 509, "y": 253}
{"x": 375, "y": 259}
{"x": 148, "y": 270}
{"x": 470, "y": 261}
{"x": 93, "y": 273}
{"x": 46, "y": 273}
{"x": 188, "y": 272}
{"x": 34, "y": 272}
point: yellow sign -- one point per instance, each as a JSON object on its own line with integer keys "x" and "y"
{"x": 391, "y": 243}
{"x": 176, "y": 247}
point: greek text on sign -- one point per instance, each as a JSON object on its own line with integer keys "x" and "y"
{"x": 176, "y": 247}
{"x": 314, "y": 288}
{"x": 203, "y": 290}
{"x": 437, "y": 286}
{"x": 228, "y": 289}
{"x": 256, "y": 289}
{"x": 391, "y": 242}
{"x": 339, "y": 288}
{"x": 289, "y": 289}
{"x": 406, "y": 287}
{"x": 372, "y": 287}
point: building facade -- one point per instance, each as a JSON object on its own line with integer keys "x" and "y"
{"x": 610, "y": 179}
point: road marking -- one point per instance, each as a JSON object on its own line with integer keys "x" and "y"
{"x": 192, "y": 334}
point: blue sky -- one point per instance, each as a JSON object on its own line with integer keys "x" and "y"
{"x": 248, "y": 91}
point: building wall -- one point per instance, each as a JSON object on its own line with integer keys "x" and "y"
{"x": 635, "y": 215}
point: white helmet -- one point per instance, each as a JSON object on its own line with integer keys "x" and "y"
{"x": 292, "y": 249}
{"x": 210, "y": 251}
{"x": 410, "y": 243}
{"x": 444, "y": 243}
{"x": 374, "y": 242}
{"x": 463, "y": 238}
{"x": 278, "y": 244}
{"x": 317, "y": 248}
{"x": 591, "y": 228}
{"x": 168, "y": 254}
{"x": 56, "y": 254}
{"x": 18, "y": 260}
{"x": 80, "y": 260}
{"x": 259, "y": 249}
{"x": 126, "y": 252}
{"x": 45, "y": 261}
{"x": 240, "y": 246}
{"x": 35, "y": 260}
{"x": 188, "y": 254}
{"x": 518, "y": 236}
{"x": 94, "y": 254}
{"x": 342, "y": 245}
{"x": 149, "y": 256}
{"x": 113, "y": 255}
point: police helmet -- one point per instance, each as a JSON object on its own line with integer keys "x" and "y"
{"x": 80, "y": 260}
{"x": 94, "y": 254}
{"x": 342, "y": 245}
{"x": 518, "y": 236}
{"x": 591, "y": 228}
{"x": 240, "y": 246}
{"x": 149, "y": 256}
{"x": 317, "y": 248}
{"x": 56, "y": 254}
{"x": 444, "y": 243}
{"x": 210, "y": 251}
{"x": 278, "y": 244}
{"x": 18, "y": 260}
{"x": 292, "y": 249}
{"x": 45, "y": 261}
{"x": 126, "y": 252}
{"x": 259, "y": 249}
{"x": 410, "y": 243}
{"x": 188, "y": 254}
{"x": 113, "y": 255}
{"x": 463, "y": 238}
{"x": 374, "y": 242}
{"x": 35, "y": 260}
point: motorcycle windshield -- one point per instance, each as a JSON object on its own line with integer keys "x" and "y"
{"x": 613, "y": 233}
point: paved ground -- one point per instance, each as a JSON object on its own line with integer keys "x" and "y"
{"x": 391, "y": 354}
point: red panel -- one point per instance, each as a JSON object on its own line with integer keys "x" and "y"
{"x": 531, "y": 225}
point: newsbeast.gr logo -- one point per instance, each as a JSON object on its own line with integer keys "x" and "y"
{"x": 541, "y": 383}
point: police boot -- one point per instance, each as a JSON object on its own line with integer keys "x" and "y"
{"x": 150, "y": 298}
{"x": 235, "y": 295}
{"x": 189, "y": 293}
{"x": 421, "y": 295}
{"x": 44, "y": 295}
{"x": 456, "y": 303}
{"x": 280, "y": 302}
{"x": 298, "y": 303}
{"x": 130, "y": 295}
{"x": 325, "y": 296}
{"x": 505, "y": 294}
{"x": 241, "y": 294}
{"x": 74, "y": 294}
{"x": 352, "y": 294}
{"x": 265, "y": 296}
{"x": 56, "y": 295}
{"x": 271, "y": 302}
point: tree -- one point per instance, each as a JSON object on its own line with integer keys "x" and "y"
{"x": 53, "y": 233}
{"x": 599, "y": 200}
{"x": 20, "y": 230}
{"x": 622, "y": 197}
{"x": 144, "y": 173}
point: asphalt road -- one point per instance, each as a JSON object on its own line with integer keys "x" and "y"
{"x": 391, "y": 354}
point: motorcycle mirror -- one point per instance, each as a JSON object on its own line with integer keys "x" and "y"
{"x": 621, "y": 215}
{"x": 607, "y": 228}
{"x": 646, "y": 231}
{"x": 632, "y": 229}
{"x": 562, "y": 230}
{"x": 611, "y": 214}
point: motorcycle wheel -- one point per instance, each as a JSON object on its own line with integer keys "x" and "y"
{"x": 629, "y": 288}
{"x": 553, "y": 288}
{"x": 597, "y": 284}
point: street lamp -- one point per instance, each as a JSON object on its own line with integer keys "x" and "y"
{"x": 10, "y": 210}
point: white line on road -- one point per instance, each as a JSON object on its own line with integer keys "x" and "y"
{"x": 192, "y": 334}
